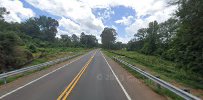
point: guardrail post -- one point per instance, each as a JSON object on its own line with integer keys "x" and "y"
{"x": 4, "y": 79}
{"x": 158, "y": 85}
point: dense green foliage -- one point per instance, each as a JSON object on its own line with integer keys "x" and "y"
{"x": 108, "y": 39}
{"x": 88, "y": 41}
{"x": 10, "y": 52}
{"x": 21, "y": 42}
{"x": 189, "y": 41}
{"x": 51, "y": 54}
{"x": 178, "y": 39}
{"x": 44, "y": 28}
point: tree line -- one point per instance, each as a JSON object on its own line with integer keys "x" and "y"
{"x": 179, "y": 39}
{"x": 19, "y": 41}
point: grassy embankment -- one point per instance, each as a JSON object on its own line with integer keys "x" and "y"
{"x": 166, "y": 70}
{"x": 54, "y": 53}
{"x": 48, "y": 55}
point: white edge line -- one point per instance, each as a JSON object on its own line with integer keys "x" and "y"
{"x": 124, "y": 90}
{"x": 39, "y": 78}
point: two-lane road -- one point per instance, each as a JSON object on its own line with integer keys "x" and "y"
{"x": 88, "y": 78}
{"x": 98, "y": 83}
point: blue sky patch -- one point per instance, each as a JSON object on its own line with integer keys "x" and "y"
{"x": 119, "y": 12}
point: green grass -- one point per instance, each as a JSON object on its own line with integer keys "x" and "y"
{"x": 154, "y": 86}
{"x": 10, "y": 79}
{"x": 166, "y": 70}
{"x": 55, "y": 53}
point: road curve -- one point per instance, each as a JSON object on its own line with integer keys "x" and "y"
{"x": 96, "y": 82}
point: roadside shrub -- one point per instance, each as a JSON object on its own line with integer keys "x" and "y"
{"x": 32, "y": 48}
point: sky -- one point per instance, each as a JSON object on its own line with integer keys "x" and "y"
{"x": 92, "y": 16}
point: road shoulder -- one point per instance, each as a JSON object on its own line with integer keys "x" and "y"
{"x": 135, "y": 87}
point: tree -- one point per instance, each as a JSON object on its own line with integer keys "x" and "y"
{"x": 3, "y": 24}
{"x": 189, "y": 38}
{"x": 48, "y": 27}
{"x": 30, "y": 27}
{"x": 135, "y": 44}
{"x": 138, "y": 42}
{"x": 167, "y": 31}
{"x": 75, "y": 40}
{"x": 11, "y": 55}
{"x": 3, "y": 11}
{"x": 108, "y": 37}
{"x": 91, "y": 41}
{"x": 7, "y": 43}
{"x": 83, "y": 39}
{"x": 66, "y": 40}
{"x": 141, "y": 34}
{"x": 88, "y": 41}
{"x": 118, "y": 46}
{"x": 44, "y": 28}
{"x": 152, "y": 38}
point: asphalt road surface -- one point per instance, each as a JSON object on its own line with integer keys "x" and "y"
{"x": 88, "y": 78}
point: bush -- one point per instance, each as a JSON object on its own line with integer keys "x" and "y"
{"x": 32, "y": 48}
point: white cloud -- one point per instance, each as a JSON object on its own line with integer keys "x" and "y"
{"x": 69, "y": 26}
{"x": 125, "y": 20}
{"x": 17, "y": 11}
{"x": 141, "y": 7}
{"x": 124, "y": 38}
{"x": 158, "y": 10}
{"x": 76, "y": 16}
{"x": 139, "y": 23}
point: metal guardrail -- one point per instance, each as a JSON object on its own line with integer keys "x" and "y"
{"x": 34, "y": 67}
{"x": 162, "y": 83}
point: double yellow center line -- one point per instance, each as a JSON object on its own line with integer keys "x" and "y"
{"x": 73, "y": 83}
